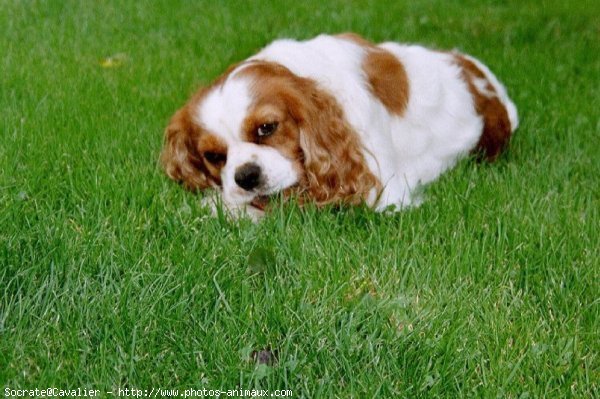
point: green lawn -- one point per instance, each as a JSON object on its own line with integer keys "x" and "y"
{"x": 113, "y": 276}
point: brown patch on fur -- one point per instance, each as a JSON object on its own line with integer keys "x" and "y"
{"x": 496, "y": 124}
{"x": 210, "y": 146}
{"x": 357, "y": 39}
{"x": 385, "y": 73}
{"x": 180, "y": 157}
{"x": 312, "y": 131}
{"x": 387, "y": 79}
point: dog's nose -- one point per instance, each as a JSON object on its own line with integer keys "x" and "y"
{"x": 248, "y": 176}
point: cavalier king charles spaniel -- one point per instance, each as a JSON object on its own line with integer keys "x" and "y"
{"x": 336, "y": 120}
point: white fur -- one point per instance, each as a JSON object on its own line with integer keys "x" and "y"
{"x": 438, "y": 127}
{"x": 224, "y": 109}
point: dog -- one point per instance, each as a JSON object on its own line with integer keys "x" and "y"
{"x": 337, "y": 120}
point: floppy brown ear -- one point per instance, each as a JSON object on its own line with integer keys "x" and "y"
{"x": 180, "y": 157}
{"x": 336, "y": 170}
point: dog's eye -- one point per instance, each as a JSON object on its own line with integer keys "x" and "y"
{"x": 215, "y": 157}
{"x": 266, "y": 129}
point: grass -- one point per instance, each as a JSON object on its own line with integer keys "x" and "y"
{"x": 112, "y": 276}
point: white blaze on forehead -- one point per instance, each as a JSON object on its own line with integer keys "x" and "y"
{"x": 223, "y": 109}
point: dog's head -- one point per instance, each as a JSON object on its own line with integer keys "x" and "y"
{"x": 259, "y": 130}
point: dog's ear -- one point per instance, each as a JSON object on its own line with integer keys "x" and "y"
{"x": 180, "y": 157}
{"x": 335, "y": 167}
